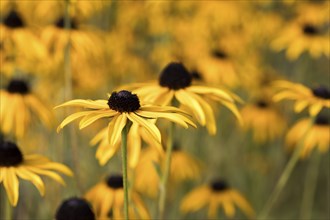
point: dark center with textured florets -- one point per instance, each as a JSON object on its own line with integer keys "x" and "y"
{"x": 310, "y": 30}
{"x": 219, "y": 54}
{"x": 124, "y": 101}
{"x": 175, "y": 76}
{"x": 322, "y": 120}
{"x": 75, "y": 208}
{"x": 10, "y": 155}
{"x": 60, "y": 23}
{"x": 262, "y": 104}
{"x": 219, "y": 185}
{"x": 18, "y": 86}
{"x": 115, "y": 181}
{"x": 13, "y": 20}
{"x": 322, "y": 92}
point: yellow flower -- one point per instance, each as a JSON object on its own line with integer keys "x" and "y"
{"x": 135, "y": 136}
{"x": 175, "y": 83}
{"x": 183, "y": 167}
{"x": 17, "y": 103}
{"x": 107, "y": 199}
{"x": 315, "y": 99}
{"x": 75, "y": 208}
{"x": 28, "y": 167}
{"x": 121, "y": 107}
{"x": 317, "y": 137}
{"x": 264, "y": 120}
{"x": 215, "y": 195}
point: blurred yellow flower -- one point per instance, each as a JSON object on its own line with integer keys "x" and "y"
{"x": 107, "y": 199}
{"x": 266, "y": 122}
{"x": 17, "y": 104}
{"x": 175, "y": 83}
{"x": 317, "y": 137}
{"x": 215, "y": 195}
{"x": 28, "y": 167}
{"x": 315, "y": 99}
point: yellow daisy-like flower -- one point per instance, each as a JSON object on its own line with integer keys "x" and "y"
{"x": 17, "y": 103}
{"x": 121, "y": 107}
{"x": 215, "y": 195}
{"x": 175, "y": 83}
{"x": 134, "y": 144}
{"x": 183, "y": 167}
{"x": 28, "y": 167}
{"x": 315, "y": 99}
{"x": 264, "y": 120}
{"x": 107, "y": 199}
{"x": 317, "y": 137}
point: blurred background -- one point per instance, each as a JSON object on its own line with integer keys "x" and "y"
{"x": 73, "y": 49}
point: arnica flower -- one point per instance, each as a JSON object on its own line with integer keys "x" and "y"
{"x": 135, "y": 137}
{"x": 75, "y": 208}
{"x": 265, "y": 121}
{"x": 28, "y": 167}
{"x": 107, "y": 199}
{"x": 122, "y": 107}
{"x": 315, "y": 99}
{"x": 318, "y": 136}
{"x": 183, "y": 167}
{"x": 17, "y": 104}
{"x": 217, "y": 194}
{"x": 175, "y": 83}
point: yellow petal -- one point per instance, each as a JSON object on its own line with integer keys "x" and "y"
{"x": 11, "y": 185}
{"x": 212, "y": 91}
{"x": 89, "y": 119}
{"x": 315, "y": 109}
{"x": 48, "y": 173}
{"x": 98, "y": 104}
{"x": 35, "y": 179}
{"x": 114, "y": 131}
{"x": 71, "y": 118}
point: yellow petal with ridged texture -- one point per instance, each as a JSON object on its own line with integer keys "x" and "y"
{"x": 149, "y": 126}
{"x": 300, "y": 105}
{"x": 48, "y": 173}
{"x": 315, "y": 109}
{"x": 232, "y": 107}
{"x": 186, "y": 99}
{"x": 91, "y": 118}
{"x": 99, "y": 136}
{"x": 71, "y": 118}
{"x": 134, "y": 145}
{"x": 11, "y": 185}
{"x": 98, "y": 104}
{"x": 165, "y": 97}
{"x": 168, "y": 109}
{"x": 242, "y": 203}
{"x": 106, "y": 152}
{"x": 57, "y": 167}
{"x": 115, "y": 132}
{"x": 212, "y": 91}
{"x": 35, "y": 179}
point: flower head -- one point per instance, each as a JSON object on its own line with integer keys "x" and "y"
{"x": 218, "y": 193}
{"x": 315, "y": 99}
{"x": 74, "y": 208}
{"x": 14, "y": 164}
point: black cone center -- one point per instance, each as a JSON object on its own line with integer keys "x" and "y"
{"x": 175, "y": 76}
{"x": 18, "y": 86}
{"x": 115, "y": 181}
{"x": 60, "y": 23}
{"x": 219, "y": 185}
{"x": 13, "y": 20}
{"x": 124, "y": 101}
{"x": 322, "y": 92}
{"x": 75, "y": 209}
{"x": 310, "y": 30}
{"x": 10, "y": 155}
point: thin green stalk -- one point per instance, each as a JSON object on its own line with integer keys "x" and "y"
{"x": 310, "y": 186}
{"x": 8, "y": 209}
{"x": 124, "y": 168}
{"x": 165, "y": 174}
{"x": 285, "y": 175}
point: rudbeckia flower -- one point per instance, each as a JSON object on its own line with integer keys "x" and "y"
{"x": 217, "y": 194}
{"x": 315, "y": 99}
{"x": 28, "y": 167}
{"x": 107, "y": 199}
{"x": 318, "y": 136}
{"x": 175, "y": 83}
{"x": 122, "y": 107}
{"x": 17, "y": 103}
{"x": 75, "y": 208}
{"x": 266, "y": 122}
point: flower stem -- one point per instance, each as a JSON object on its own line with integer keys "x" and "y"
{"x": 286, "y": 174}
{"x": 8, "y": 208}
{"x": 165, "y": 175}
{"x": 124, "y": 168}
{"x": 310, "y": 186}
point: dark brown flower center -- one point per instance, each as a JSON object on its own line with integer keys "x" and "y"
{"x": 175, "y": 76}
{"x": 60, "y": 23}
{"x": 124, "y": 101}
{"x": 74, "y": 209}
{"x": 115, "y": 181}
{"x": 262, "y": 104}
{"x": 321, "y": 92}
{"x": 219, "y": 54}
{"x": 322, "y": 120}
{"x": 310, "y": 30}
{"x": 219, "y": 185}
{"x": 18, "y": 86}
{"x": 196, "y": 75}
{"x": 10, "y": 155}
{"x": 13, "y": 20}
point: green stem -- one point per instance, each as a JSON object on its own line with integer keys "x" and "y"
{"x": 124, "y": 168}
{"x": 310, "y": 186}
{"x": 8, "y": 213}
{"x": 286, "y": 174}
{"x": 165, "y": 175}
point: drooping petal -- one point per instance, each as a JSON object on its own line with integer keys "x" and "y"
{"x": 11, "y": 185}
{"x": 30, "y": 176}
{"x": 71, "y": 118}
{"x": 97, "y": 104}
{"x": 114, "y": 131}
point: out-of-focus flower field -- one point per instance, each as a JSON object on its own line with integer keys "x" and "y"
{"x": 218, "y": 109}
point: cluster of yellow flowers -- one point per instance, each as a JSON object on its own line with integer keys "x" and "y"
{"x": 205, "y": 54}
